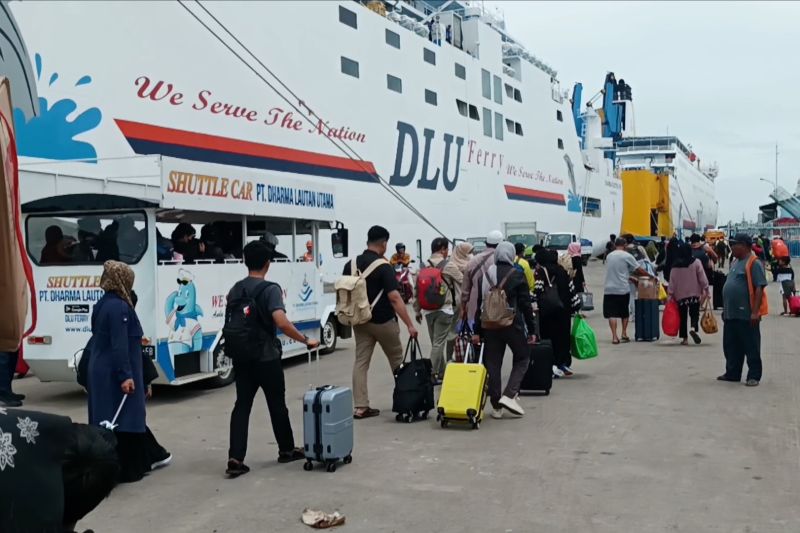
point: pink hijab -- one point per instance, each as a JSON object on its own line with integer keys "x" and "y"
{"x": 574, "y": 249}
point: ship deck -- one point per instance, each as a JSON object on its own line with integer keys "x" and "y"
{"x": 641, "y": 439}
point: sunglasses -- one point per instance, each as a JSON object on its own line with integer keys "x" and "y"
{"x": 182, "y": 282}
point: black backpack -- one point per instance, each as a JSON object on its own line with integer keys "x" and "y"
{"x": 245, "y": 331}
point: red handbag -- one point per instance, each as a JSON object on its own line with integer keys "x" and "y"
{"x": 671, "y": 320}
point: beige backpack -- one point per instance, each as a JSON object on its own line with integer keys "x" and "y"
{"x": 353, "y": 307}
{"x": 566, "y": 263}
{"x": 496, "y": 313}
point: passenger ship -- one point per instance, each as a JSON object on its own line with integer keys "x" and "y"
{"x": 412, "y": 110}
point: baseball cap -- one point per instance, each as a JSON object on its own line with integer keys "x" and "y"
{"x": 494, "y": 238}
{"x": 741, "y": 238}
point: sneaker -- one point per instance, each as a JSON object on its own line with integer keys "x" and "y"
{"x": 9, "y": 401}
{"x": 497, "y": 414}
{"x": 294, "y": 455}
{"x": 723, "y": 377}
{"x": 236, "y": 469}
{"x": 162, "y": 463}
{"x": 512, "y": 405}
{"x": 751, "y": 383}
{"x": 566, "y": 370}
{"x": 557, "y": 372}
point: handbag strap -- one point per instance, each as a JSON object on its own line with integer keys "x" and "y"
{"x": 413, "y": 347}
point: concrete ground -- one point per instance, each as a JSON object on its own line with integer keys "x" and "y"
{"x": 641, "y": 439}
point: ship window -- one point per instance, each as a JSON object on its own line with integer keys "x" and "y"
{"x": 591, "y": 206}
{"x": 429, "y": 56}
{"x": 498, "y": 126}
{"x": 348, "y": 17}
{"x": 473, "y": 113}
{"x": 559, "y": 116}
{"x": 349, "y": 67}
{"x": 393, "y": 83}
{"x": 486, "y": 83}
{"x": 461, "y": 72}
{"x": 462, "y": 107}
{"x": 430, "y": 97}
{"x": 487, "y": 122}
{"x": 498, "y": 90}
{"x": 518, "y": 128}
{"x": 510, "y": 125}
{"x": 509, "y": 91}
{"x": 517, "y": 95}
{"x": 560, "y": 144}
{"x": 393, "y": 39}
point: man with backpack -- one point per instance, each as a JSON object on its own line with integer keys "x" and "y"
{"x": 253, "y": 315}
{"x": 476, "y": 268}
{"x": 379, "y": 326}
{"x": 436, "y": 297}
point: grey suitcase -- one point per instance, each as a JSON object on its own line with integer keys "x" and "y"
{"x": 327, "y": 426}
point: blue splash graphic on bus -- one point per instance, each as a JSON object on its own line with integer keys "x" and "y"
{"x": 306, "y": 291}
{"x": 51, "y": 135}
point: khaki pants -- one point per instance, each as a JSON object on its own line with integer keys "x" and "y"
{"x": 439, "y": 326}
{"x": 367, "y": 335}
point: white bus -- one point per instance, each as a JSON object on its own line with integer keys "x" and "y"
{"x": 74, "y": 223}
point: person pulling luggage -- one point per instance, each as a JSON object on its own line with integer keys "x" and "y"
{"x": 254, "y": 313}
{"x": 504, "y": 318}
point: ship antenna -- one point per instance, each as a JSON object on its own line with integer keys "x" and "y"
{"x": 342, "y": 146}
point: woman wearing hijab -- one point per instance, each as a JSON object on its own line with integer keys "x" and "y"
{"x": 514, "y": 336}
{"x": 574, "y": 251}
{"x": 688, "y": 285}
{"x": 115, "y": 369}
{"x": 556, "y": 324}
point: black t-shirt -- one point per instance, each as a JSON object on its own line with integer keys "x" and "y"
{"x": 269, "y": 301}
{"x": 381, "y": 278}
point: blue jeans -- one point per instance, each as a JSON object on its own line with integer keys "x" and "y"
{"x": 740, "y": 340}
{"x": 8, "y": 366}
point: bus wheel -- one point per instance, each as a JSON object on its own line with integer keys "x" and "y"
{"x": 223, "y": 366}
{"x": 328, "y": 336}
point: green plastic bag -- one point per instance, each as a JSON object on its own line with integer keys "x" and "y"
{"x": 584, "y": 342}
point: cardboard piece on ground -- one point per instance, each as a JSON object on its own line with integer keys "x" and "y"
{"x": 13, "y": 284}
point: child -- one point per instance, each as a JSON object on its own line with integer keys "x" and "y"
{"x": 785, "y": 276}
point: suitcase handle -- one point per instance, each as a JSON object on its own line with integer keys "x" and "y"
{"x": 310, "y": 351}
{"x": 471, "y": 350}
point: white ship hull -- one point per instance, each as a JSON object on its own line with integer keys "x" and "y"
{"x": 160, "y": 83}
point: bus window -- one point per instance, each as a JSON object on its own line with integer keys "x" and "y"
{"x": 193, "y": 240}
{"x": 281, "y": 229}
{"x": 86, "y": 239}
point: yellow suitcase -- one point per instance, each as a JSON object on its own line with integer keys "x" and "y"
{"x": 463, "y": 394}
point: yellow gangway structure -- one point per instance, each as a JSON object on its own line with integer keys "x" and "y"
{"x": 646, "y": 206}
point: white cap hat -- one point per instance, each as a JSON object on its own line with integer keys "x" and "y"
{"x": 494, "y": 238}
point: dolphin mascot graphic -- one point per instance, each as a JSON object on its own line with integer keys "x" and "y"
{"x": 182, "y": 312}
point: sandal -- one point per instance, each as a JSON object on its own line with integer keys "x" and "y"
{"x": 695, "y": 337}
{"x": 369, "y": 412}
{"x": 685, "y": 342}
{"x": 625, "y": 339}
{"x": 615, "y": 341}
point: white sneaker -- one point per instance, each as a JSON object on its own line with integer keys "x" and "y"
{"x": 497, "y": 414}
{"x": 557, "y": 372}
{"x": 162, "y": 463}
{"x": 512, "y": 405}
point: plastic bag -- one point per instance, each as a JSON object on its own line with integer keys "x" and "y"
{"x": 671, "y": 320}
{"x": 584, "y": 342}
{"x": 662, "y": 293}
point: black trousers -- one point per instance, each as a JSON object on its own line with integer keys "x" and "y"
{"x": 687, "y": 311}
{"x": 8, "y": 366}
{"x": 558, "y": 329}
{"x": 267, "y": 376}
{"x": 494, "y": 353}
{"x": 742, "y": 341}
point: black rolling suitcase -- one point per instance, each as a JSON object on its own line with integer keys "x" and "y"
{"x": 413, "y": 387}
{"x": 646, "y": 320}
{"x": 716, "y": 284}
{"x": 539, "y": 377}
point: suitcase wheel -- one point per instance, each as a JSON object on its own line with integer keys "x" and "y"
{"x": 547, "y": 392}
{"x": 331, "y": 467}
{"x": 348, "y": 459}
{"x": 308, "y": 466}
{"x": 443, "y": 422}
{"x": 476, "y": 425}
{"x": 404, "y": 417}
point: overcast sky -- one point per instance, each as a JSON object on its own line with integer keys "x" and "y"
{"x": 720, "y": 75}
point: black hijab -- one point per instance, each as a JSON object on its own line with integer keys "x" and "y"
{"x": 683, "y": 255}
